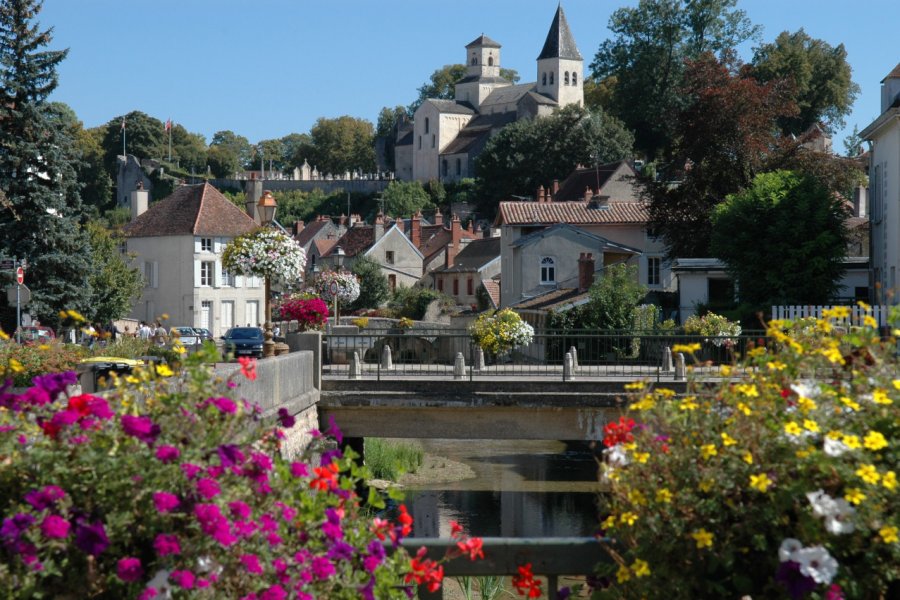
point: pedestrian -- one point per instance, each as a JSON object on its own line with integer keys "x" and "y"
{"x": 113, "y": 331}
{"x": 160, "y": 335}
{"x": 144, "y": 332}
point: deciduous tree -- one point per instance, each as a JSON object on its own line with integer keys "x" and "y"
{"x": 114, "y": 284}
{"x": 96, "y": 184}
{"x": 343, "y": 144}
{"x": 403, "y": 198}
{"x": 144, "y": 138}
{"x": 222, "y": 161}
{"x": 236, "y": 144}
{"x": 373, "y": 285}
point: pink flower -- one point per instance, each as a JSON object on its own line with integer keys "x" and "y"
{"x": 165, "y": 502}
{"x": 46, "y": 497}
{"x": 239, "y": 509}
{"x": 129, "y": 569}
{"x": 148, "y": 594}
{"x": 167, "y": 454}
{"x": 190, "y": 471}
{"x": 208, "y": 488}
{"x": 55, "y": 527}
{"x": 142, "y": 428}
{"x": 251, "y": 563}
{"x": 276, "y": 592}
{"x": 299, "y": 469}
{"x": 225, "y": 405}
{"x": 165, "y": 544}
{"x": 183, "y": 579}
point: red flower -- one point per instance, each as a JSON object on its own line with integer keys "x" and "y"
{"x": 248, "y": 367}
{"x": 326, "y": 477}
{"x": 425, "y": 571}
{"x": 472, "y": 547}
{"x": 405, "y": 519}
{"x": 525, "y": 583}
{"x": 455, "y": 529}
{"x": 618, "y": 432}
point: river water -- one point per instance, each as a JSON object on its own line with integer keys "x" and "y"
{"x": 520, "y": 489}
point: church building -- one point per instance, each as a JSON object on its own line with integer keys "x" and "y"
{"x": 447, "y": 135}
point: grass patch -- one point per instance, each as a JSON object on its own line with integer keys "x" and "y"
{"x": 389, "y": 459}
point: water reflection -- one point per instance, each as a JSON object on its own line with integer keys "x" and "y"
{"x": 520, "y": 489}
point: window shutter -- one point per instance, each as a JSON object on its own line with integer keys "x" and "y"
{"x": 217, "y": 245}
{"x": 155, "y": 275}
{"x": 217, "y": 274}
{"x": 196, "y": 273}
{"x": 238, "y": 281}
{"x": 197, "y": 249}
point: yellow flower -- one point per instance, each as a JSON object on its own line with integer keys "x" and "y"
{"x": 852, "y": 442}
{"x": 640, "y": 568}
{"x": 15, "y": 366}
{"x": 806, "y": 404}
{"x": 3, "y": 335}
{"x": 744, "y": 409}
{"x": 863, "y": 306}
{"x": 869, "y": 474}
{"x": 838, "y": 312}
{"x": 833, "y": 355}
{"x": 755, "y": 352}
{"x": 854, "y": 496}
{"x": 689, "y": 348}
{"x": 725, "y": 370}
{"x": 791, "y": 428}
{"x": 747, "y": 389}
{"x": 179, "y": 348}
{"x": 663, "y": 495}
{"x": 888, "y": 534}
{"x": 609, "y": 522}
{"x": 889, "y": 480}
{"x": 665, "y": 392}
{"x": 623, "y": 574}
{"x": 635, "y": 385}
{"x": 641, "y": 457}
{"x": 630, "y": 446}
{"x": 705, "y": 485}
{"x": 707, "y": 451}
{"x": 688, "y": 403}
{"x": 811, "y": 425}
{"x": 132, "y": 379}
{"x": 760, "y": 482}
{"x": 645, "y": 403}
{"x": 849, "y": 403}
{"x": 776, "y": 365}
{"x": 164, "y": 371}
{"x": 703, "y": 538}
{"x": 896, "y": 384}
{"x": 869, "y": 321}
{"x": 803, "y": 453}
{"x": 881, "y": 397}
{"x": 874, "y": 441}
{"x": 637, "y": 498}
{"x": 628, "y": 518}
{"x": 727, "y": 440}
{"x": 748, "y": 458}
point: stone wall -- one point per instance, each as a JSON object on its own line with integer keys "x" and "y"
{"x": 285, "y": 381}
{"x": 362, "y": 186}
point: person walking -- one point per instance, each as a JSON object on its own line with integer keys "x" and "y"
{"x": 160, "y": 335}
{"x": 144, "y": 331}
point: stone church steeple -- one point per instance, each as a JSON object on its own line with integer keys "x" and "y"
{"x": 560, "y": 67}
{"x": 482, "y": 71}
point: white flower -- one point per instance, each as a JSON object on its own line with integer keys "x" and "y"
{"x": 823, "y": 504}
{"x": 815, "y": 562}
{"x": 616, "y": 456}
{"x": 807, "y": 388}
{"x": 789, "y": 547}
{"x": 838, "y": 513}
{"x": 833, "y": 447}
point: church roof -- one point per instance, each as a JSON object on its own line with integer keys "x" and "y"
{"x": 541, "y": 99}
{"x": 476, "y": 132}
{"x": 192, "y": 210}
{"x": 483, "y": 40}
{"x": 895, "y": 74}
{"x": 450, "y": 106}
{"x": 560, "y": 43}
{"x": 507, "y": 94}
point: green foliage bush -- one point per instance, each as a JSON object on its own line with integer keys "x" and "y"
{"x": 413, "y": 302}
{"x": 389, "y": 459}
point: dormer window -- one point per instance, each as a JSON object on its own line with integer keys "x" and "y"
{"x": 566, "y": 79}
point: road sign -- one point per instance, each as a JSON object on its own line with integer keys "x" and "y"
{"x": 20, "y": 275}
{"x": 334, "y": 288}
{"x": 23, "y": 292}
{"x": 7, "y": 264}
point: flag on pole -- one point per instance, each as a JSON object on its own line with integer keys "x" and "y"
{"x": 168, "y": 124}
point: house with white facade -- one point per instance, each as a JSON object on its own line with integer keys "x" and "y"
{"x": 883, "y": 134}
{"x": 177, "y": 244}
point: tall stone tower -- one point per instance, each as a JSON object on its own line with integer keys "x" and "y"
{"x": 560, "y": 68}
{"x": 482, "y": 72}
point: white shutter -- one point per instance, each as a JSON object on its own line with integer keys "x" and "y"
{"x": 217, "y": 274}
{"x": 196, "y": 273}
{"x": 238, "y": 280}
{"x": 197, "y": 248}
{"x": 217, "y": 245}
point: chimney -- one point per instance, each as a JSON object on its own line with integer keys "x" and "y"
{"x": 298, "y": 227}
{"x": 356, "y": 220}
{"x": 555, "y": 189}
{"x": 379, "y": 226}
{"x": 453, "y": 246}
{"x": 471, "y": 227}
{"x": 415, "y": 229}
{"x": 342, "y": 220}
{"x": 140, "y": 199}
{"x": 540, "y": 193}
{"x": 438, "y": 218}
{"x": 585, "y": 271}
{"x": 252, "y": 193}
{"x": 401, "y": 226}
{"x": 588, "y": 194}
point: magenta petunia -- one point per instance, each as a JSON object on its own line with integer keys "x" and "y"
{"x": 64, "y": 418}
{"x": 183, "y": 579}
{"x": 225, "y": 405}
{"x": 55, "y": 527}
{"x": 149, "y": 594}
{"x": 142, "y": 428}
{"x": 165, "y": 502}
{"x": 167, "y": 454}
{"x": 322, "y": 568}
{"x": 251, "y": 563}
{"x": 239, "y": 510}
{"x": 190, "y": 471}
{"x": 276, "y": 592}
{"x": 129, "y": 569}
{"x": 208, "y": 488}
{"x": 299, "y": 469}
{"x": 45, "y": 497}
{"x": 166, "y": 544}
{"x": 91, "y": 537}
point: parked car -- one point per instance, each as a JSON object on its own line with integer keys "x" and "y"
{"x": 203, "y": 334}
{"x": 244, "y": 341}
{"x": 186, "y": 335}
{"x": 37, "y": 334}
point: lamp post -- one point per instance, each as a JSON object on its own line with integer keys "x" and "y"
{"x": 339, "y": 263}
{"x": 266, "y": 208}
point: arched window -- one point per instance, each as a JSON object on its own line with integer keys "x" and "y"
{"x": 490, "y": 61}
{"x": 544, "y": 79}
{"x": 574, "y": 78}
{"x": 566, "y": 79}
{"x": 548, "y": 270}
{"x": 426, "y": 125}
{"x": 551, "y": 77}
{"x": 474, "y": 60}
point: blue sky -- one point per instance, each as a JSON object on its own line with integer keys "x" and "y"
{"x": 266, "y": 68}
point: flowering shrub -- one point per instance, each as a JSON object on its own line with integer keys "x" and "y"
{"x": 501, "y": 331}
{"x": 310, "y": 313}
{"x": 714, "y": 326}
{"x": 266, "y": 252}
{"x": 347, "y": 285}
{"x": 778, "y": 482}
{"x": 361, "y": 322}
{"x": 26, "y": 361}
{"x": 174, "y": 483}
{"x": 404, "y": 323}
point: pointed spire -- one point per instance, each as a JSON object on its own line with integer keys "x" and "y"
{"x": 560, "y": 43}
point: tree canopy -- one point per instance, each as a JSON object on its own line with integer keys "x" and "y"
{"x": 404, "y": 198}
{"x": 145, "y": 137}
{"x": 114, "y": 284}
{"x": 783, "y": 239}
{"x": 646, "y": 54}
{"x": 237, "y": 145}
{"x": 533, "y": 152}
{"x": 96, "y": 184}
{"x": 343, "y": 144}
{"x": 821, "y": 76}
{"x": 373, "y": 285}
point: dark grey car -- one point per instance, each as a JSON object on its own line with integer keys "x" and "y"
{"x": 243, "y": 341}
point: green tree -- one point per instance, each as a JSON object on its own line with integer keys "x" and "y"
{"x": 222, "y": 161}
{"x": 297, "y": 147}
{"x": 442, "y": 83}
{"x": 853, "y": 143}
{"x": 144, "y": 138}
{"x": 820, "y": 73}
{"x": 39, "y": 218}
{"x": 96, "y": 184}
{"x": 114, "y": 285}
{"x": 404, "y": 198}
{"x": 533, "y": 152}
{"x": 388, "y": 119}
{"x": 783, "y": 239}
{"x": 343, "y": 144}
{"x": 614, "y": 297}
{"x": 237, "y": 144}
{"x": 373, "y": 285}
{"x": 646, "y": 53}
{"x": 272, "y": 153}
{"x": 188, "y": 149}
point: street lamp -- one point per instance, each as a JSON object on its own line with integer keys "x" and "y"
{"x": 339, "y": 264}
{"x": 266, "y": 208}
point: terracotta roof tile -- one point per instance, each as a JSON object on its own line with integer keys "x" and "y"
{"x": 192, "y": 210}
{"x": 493, "y": 289}
{"x": 324, "y": 246}
{"x": 309, "y": 232}
{"x": 356, "y": 240}
{"x": 574, "y": 213}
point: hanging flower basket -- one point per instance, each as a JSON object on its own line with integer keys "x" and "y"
{"x": 342, "y": 284}
{"x": 267, "y": 253}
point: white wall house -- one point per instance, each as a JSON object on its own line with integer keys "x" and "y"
{"x": 884, "y": 191}
{"x": 178, "y": 244}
